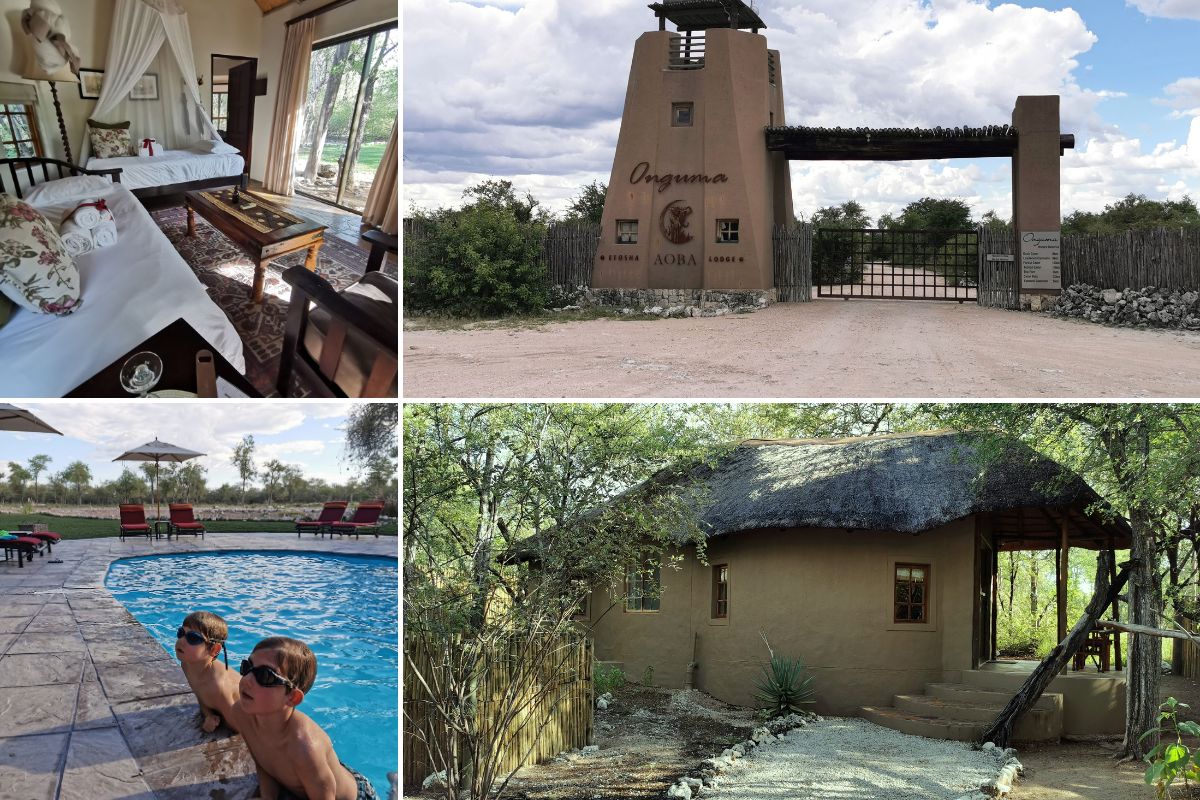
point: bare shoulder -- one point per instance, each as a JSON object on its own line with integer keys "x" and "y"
{"x": 306, "y": 739}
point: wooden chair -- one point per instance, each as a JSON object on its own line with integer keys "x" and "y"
{"x": 343, "y": 344}
{"x": 1097, "y": 644}
{"x": 381, "y": 244}
{"x": 183, "y": 520}
{"x": 133, "y": 521}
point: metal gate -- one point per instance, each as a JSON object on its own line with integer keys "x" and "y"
{"x": 926, "y": 264}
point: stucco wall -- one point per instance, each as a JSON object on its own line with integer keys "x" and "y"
{"x": 229, "y": 27}
{"x": 822, "y": 595}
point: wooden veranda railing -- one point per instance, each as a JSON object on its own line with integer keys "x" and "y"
{"x": 560, "y": 719}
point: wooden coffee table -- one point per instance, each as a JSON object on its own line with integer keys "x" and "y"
{"x": 265, "y": 231}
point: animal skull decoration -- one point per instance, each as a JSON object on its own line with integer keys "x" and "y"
{"x": 46, "y": 25}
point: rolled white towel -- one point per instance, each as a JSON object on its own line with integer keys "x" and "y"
{"x": 76, "y": 239}
{"x": 90, "y": 213}
{"x": 149, "y": 148}
{"x": 105, "y": 234}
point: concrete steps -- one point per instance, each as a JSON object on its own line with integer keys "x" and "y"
{"x": 961, "y": 712}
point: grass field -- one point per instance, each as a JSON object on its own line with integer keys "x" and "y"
{"x": 368, "y": 157}
{"x": 83, "y": 528}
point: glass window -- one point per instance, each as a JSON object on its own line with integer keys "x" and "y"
{"x": 720, "y": 609}
{"x": 642, "y": 588}
{"x": 627, "y": 231}
{"x": 681, "y": 115}
{"x": 727, "y": 231}
{"x": 912, "y": 593}
{"x": 18, "y": 131}
{"x": 220, "y": 106}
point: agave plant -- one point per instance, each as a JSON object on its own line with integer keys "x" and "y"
{"x": 783, "y": 686}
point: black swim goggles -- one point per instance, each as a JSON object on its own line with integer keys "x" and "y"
{"x": 265, "y": 676}
{"x": 195, "y": 638}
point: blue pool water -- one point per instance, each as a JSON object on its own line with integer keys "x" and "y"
{"x": 343, "y": 607}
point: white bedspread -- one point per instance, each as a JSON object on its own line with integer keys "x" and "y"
{"x": 130, "y": 291}
{"x": 173, "y": 166}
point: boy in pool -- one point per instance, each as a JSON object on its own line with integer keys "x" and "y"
{"x": 294, "y": 757}
{"x": 198, "y": 642}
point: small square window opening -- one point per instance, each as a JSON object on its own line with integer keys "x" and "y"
{"x": 681, "y": 115}
{"x": 642, "y": 588}
{"x": 627, "y": 231}
{"x": 727, "y": 231}
{"x": 720, "y": 608}
{"x": 911, "y": 593}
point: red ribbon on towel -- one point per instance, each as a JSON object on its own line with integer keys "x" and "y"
{"x": 99, "y": 205}
{"x": 149, "y": 145}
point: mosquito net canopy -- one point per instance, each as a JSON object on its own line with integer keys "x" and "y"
{"x": 150, "y": 77}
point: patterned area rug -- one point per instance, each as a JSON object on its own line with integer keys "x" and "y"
{"x": 228, "y": 273}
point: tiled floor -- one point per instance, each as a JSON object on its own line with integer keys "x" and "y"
{"x": 93, "y": 707}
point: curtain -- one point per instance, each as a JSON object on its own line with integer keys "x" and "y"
{"x": 289, "y": 106}
{"x": 177, "y": 118}
{"x": 381, "y": 210}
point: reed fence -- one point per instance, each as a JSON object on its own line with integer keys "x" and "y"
{"x": 1191, "y": 653}
{"x": 555, "y": 697}
{"x": 792, "y": 246}
{"x": 1167, "y": 258}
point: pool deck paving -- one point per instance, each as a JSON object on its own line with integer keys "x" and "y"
{"x": 91, "y": 706}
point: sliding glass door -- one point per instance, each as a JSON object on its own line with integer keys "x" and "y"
{"x": 351, "y": 105}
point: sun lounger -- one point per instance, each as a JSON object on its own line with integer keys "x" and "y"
{"x": 365, "y": 520}
{"x": 48, "y": 537}
{"x": 23, "y": 547}
{"x": 330, "y": 513}
{"x": 133, "y": 522}
{"x": 183, "y": 520}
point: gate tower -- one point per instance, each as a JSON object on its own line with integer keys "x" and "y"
{"x": 694, "y": 193}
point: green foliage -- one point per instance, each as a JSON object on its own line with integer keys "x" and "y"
{"x": 606, "y": 678}
{"x": 834, "y": 259}
{"x": 783, "y": 686}
{"x": 589, "y": 205}
{"x": 1134, "y": 212}
{"x": 483, "y": 258}
{"x": 648, "y": 675}
{"x": 1172, "y": 760}
{"x": 933, "y": 212}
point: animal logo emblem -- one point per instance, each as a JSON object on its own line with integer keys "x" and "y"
{"x": 673, "y": 222}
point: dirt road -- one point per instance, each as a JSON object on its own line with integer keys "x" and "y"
{"x": 822, "y": 349}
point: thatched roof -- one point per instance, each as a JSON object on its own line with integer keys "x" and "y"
{"x": 902, "y": 482}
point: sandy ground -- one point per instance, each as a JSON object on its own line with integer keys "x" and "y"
{"x": 822, "y": 349}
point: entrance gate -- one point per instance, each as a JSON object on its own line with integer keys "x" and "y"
{"x": 932, "y": 264}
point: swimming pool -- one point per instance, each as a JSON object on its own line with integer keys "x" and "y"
{"x": 343, "y": 607}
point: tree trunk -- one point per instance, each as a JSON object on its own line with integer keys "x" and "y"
{"x": 1001, "y": 728}
{"x": 1145, "y": 655}
{"x": 355, "y": 142}
{"x": 321, "y": 125}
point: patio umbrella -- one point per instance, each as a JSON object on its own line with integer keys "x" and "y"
{"x": 157, "y": 451}
{"x": 20, "y": 420}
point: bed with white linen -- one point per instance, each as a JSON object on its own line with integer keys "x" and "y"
{"x": 174, "y": 171}
{"x": 129, "y": 291}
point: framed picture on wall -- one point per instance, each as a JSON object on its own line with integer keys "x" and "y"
{"x": 90, "y": 83}
{"x": 146, "y": 88}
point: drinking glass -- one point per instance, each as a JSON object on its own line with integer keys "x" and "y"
{"x": 141, "y": 372}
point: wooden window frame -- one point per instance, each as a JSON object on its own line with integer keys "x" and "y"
{"x": 7, "y": 129}
{"x": 717, "y": 611}
{"x": 925, "y": 582}
{"x": 642, "y": 573}
{"x": 731, "y": 234}
{"x": 634, "y": 222}
{"x": 691, "y": 114}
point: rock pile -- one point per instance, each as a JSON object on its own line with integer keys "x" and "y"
{"x": 1001, "y": 785}
{"x": 1148, "y": 307}
{"x": 705, "y": 781}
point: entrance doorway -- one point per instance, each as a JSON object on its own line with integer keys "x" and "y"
{"x": 353, "y": 91}
{"x": 232, "y": 108}
{"x": 896, "y": 264}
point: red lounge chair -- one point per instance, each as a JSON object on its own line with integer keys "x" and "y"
{"x": 48, "y": 537}
{"x": 183, "y": 520}
{"x": 330, "y": 513}
{"x": 133, "y": 522}
{"x": 365, "y": 520}
{"x": 24, "y": 547}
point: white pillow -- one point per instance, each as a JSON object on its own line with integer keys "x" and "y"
{"x": 64, "y": 189}
{"x": 217, "y": 148}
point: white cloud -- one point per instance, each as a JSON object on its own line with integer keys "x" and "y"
{"x": 1171, "y": 9}
{"x": 1113, "y": 165}
{"x": 1183, "y": 96}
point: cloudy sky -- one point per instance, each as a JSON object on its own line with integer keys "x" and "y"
{"x": 307, "y": 434}
{"x": 532, "y": 91}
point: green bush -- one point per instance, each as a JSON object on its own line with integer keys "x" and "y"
{"x": 606, "y": 678}
{"x": 783, "y": 686}
{"x": 1172, "y": 760}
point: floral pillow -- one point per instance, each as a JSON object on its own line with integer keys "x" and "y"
{"x": 110, "y": 141}
{"x": 36, "y": 271}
